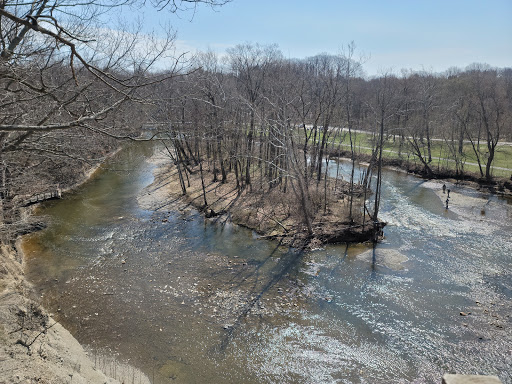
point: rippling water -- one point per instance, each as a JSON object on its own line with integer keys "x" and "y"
{"x": 191, "y": 301}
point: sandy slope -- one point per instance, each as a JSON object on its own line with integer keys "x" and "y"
{"x": 55, "y": 356}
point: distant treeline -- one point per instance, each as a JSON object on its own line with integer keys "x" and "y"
{"x": 72, "y": 88}
{"x": 255, "y": 113}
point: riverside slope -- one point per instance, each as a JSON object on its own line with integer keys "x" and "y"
{"x": 55, "y": 356}
{"x": 34, "y": 348}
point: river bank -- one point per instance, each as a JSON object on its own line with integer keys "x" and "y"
{"x": 34, "y": 348}
{"x": 498, "y": 186}
{"x": 26, "y": 222}
{"x": 272, "y": 213}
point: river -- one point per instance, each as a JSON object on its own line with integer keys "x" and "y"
{"x": 189, "y": 300}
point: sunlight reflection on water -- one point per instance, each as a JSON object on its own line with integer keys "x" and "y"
{"x": 191, "y": 301}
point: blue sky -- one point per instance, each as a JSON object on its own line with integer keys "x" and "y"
{"x": 395, "y": 34}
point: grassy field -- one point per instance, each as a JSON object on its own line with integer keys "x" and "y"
{"x": 441, "y": 155}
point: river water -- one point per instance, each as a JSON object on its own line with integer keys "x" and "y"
{"x": 188, "y": 300}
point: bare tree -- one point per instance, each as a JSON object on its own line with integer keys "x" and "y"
{"x": 490, "y": 100}
{"x": 70, "y": 86}
{"x": 250, "y": 64}
{"x": 352, "y": 69}
{"x": 384, "y": 105}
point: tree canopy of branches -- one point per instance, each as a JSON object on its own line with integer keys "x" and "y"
{"x": 274, "y": 122}
{"x": 71, "y": 84}
{"x": 266, "y": 120}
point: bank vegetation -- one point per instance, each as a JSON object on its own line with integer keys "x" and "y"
{"x": 270, "y": 126}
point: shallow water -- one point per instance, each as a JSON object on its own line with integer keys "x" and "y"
{"x": 193, "y": 301}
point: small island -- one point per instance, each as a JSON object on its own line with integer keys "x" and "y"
{"x": 273, "y": 211}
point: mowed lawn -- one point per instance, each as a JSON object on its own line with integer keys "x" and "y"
{"x": 442, "y": 154}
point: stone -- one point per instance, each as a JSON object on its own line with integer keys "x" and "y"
{"x": 470, "y": 379}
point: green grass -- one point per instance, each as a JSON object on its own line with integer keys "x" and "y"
{"x": 441, "y": 155}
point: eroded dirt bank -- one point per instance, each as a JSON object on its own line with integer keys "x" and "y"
{"x": 34, "y": 348}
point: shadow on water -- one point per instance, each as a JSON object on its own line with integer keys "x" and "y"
{"x": 287, "y": 263}
{"x": 374, "y": 258}
{"x": 190, "y": 300}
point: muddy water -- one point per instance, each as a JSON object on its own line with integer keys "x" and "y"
{"x": 193, "y": 301}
